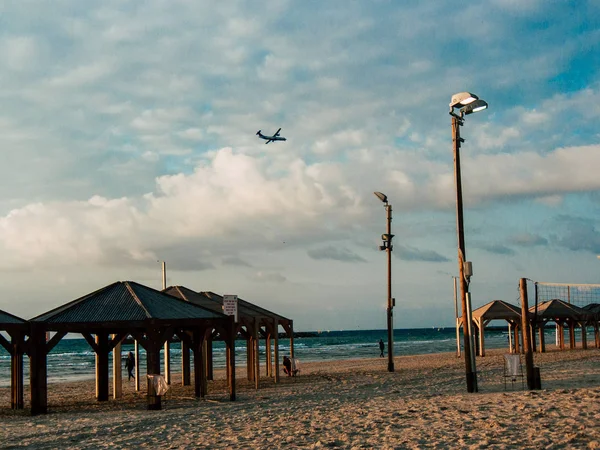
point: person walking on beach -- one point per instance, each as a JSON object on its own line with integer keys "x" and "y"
{"x": 129, "y": 365}
{"x": 381, "y": 347}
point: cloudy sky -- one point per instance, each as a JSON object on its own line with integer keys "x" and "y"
{"x": 127, "y": 134}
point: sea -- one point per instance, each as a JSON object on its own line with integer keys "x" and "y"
{"x": 73, "y": 359}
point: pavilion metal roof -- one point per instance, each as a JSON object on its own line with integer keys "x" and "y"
{"x": 211, "y": 300}
{"x": 559, "y": 309}
{"x": 497, "y": 309}
{"x": 10, "y": 319}
{"x": 125, "y": 301}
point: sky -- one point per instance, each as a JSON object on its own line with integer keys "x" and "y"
{"x": 128, "y": 137}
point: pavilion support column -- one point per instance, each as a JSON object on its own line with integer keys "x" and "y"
{"x": 481, "y": 338}
{"x": 510, "y": 346}
{"x": 561, "y": 336}
{"x": 152, "y": 368}
{"x": 542, "y": 348}
{"x": 209, "y": 358}
{"x": 185, "y": 364}
{"x": 38, "y": 375}
{"x": 276, "y": 351}
{"x": 532, "y": 333}
{"x": 256, "y": 357}
{"x": 268, "y": 356}
{"x": 167, "y": 361}
{"x": 16, "y": 372}
{"x": 516, "y": 337}
{"x": 291, "y": 338}
{"x": 249, "y": 359}
{"x": 230, "y": 346}
{"x": 199, "y": 369}
{"x": 136, "y": 352}
{"x": 117, "y": 371}
{"x": 102, "y": 372}
{"x": 572, "y": 344}
{"x": 597, "y": 334}
{"x": 583, "y": 336}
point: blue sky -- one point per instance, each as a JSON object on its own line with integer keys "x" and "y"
{"x": 127, "y": 131}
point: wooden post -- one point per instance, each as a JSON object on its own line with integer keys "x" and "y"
{"x": 152, "y": 368}
{"x": 526, "y": 335}
{"x": 136, "y": 352}
{"x": 572, "y": 344}
{"x": 516, "y": 338}
{"x": 167, "y": 362}
{"x": 185, "y": 364}
{"x": 542, "y": 337}
{"x": 102, "y": 375}
{"x": 481, "y": 337}
{"x": 583, "y": 336}
{"x": 231, "y": 358}
{"x": 276, "y": 352}
{"x": 38, "y": 376}
{"x": 117, "y": 371}
{"x": 268, "y": 355}
{"x": 561, "y": 336}
{"x": 597, "y": 334}
{"x": 291, "y": 339}
{"x": 209, "y": 358}
{"x": 510, "y": 338}
{"x": 249, "y": 359}
{"x": 16, "y": 371}
{"x": 256, "y": 355}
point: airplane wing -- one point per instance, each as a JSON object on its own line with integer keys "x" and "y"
{"x": 270, "y": 140}
{"x": 277, "y": 133}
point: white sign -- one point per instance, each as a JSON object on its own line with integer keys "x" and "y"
{"x": 230, "y": 306}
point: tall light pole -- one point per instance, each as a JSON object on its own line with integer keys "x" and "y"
{"x": 466, "y": 103}
{"x": 388, "y": 247}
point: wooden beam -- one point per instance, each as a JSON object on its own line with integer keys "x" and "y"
{"x": 38, "y": 381}
{"x": 55, "y": 340}
{"x": 102, "y": 372}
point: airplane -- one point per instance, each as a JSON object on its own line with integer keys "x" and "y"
{"x": 275, "y": 137}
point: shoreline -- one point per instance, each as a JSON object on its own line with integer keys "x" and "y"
{"x": 336, "y": 404}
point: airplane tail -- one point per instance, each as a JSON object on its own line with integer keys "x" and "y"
{"x": 258, "y": 133}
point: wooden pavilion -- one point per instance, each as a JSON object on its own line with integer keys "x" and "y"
{"x": 593, "y": 311}
{"x": 125, "y": 308}
{"x": 496, "y": 310}
{"x": 563, "y": 314}
{"x": 253, "y": 323}
{"x": 17, "y": 329}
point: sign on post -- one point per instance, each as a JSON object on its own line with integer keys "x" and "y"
{"x": 230, "y": 306}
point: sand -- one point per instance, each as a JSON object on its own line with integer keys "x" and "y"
{"x": 336, "y": 404}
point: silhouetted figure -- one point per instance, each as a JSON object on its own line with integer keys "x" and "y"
{"x": 287, "y": 366}
{"x": 130, "y": 365}
{"x": 381, "y": 347}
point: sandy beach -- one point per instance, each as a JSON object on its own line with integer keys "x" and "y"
{"x": 336, "y": 404}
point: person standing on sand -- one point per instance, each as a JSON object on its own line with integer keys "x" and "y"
{"x": 381, "y": 347}
{"x": 287, "y": 366}
{"x": 129, "y": 365}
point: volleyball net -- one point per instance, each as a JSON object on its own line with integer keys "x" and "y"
{"x": 576, "y": 294}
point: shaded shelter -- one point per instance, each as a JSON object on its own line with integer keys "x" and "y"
{"x": 122, "y": 309}
{"x": 17, "y": 329}
{"x": 593, "y": 311}
{"x": 253, "y": 322}
{"x": 562, "y": 313}
{"x": 496, "y": 310}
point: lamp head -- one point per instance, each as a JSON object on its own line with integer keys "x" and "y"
{"x": 381, "y": 196}
{"x": 461, "y": 99}
{"x": 476, "y": 106}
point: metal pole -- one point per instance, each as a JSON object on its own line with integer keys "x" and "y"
{"x": 470, "y": 374}
{"x": 390, "y": 321}
{"x": 456, "y": 318}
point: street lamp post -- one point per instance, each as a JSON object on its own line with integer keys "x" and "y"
{"x": 388, "y": 247}
{"x": 466, "y": 103}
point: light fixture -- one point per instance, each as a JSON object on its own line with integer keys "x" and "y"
{"x": 477, "y": 105}
{"x": 461, "y": 99}
{"x": 381, "y": 196}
